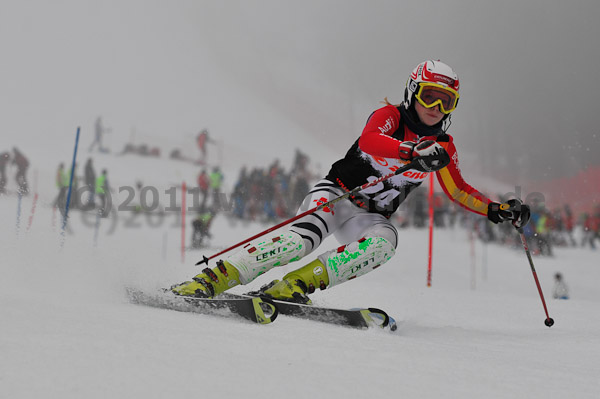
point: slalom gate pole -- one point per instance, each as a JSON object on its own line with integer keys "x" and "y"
{"x": 348, "y": 194}
{"x": 18, "y": 224}
{"x": 549, "y": 321}
{"x": 430, "y": 255}
{"x": 183, "y": 192}
{"x": 64, "y": 224}
{"x": 35, "y": 199}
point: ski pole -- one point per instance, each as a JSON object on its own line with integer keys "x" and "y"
{"x": 430, "y": 253}
{"x": 549, "y": 321}
{"x": 348, "y": 194}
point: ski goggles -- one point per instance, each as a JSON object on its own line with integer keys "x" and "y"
{"x": 431, "y": 94}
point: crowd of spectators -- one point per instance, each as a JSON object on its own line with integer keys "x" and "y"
{"x": 547, "y": 229}
{"x": 265, "y": 195}
{"x": 272, "y": 194}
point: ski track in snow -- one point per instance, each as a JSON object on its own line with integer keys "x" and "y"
{"x": 264, "y": 84}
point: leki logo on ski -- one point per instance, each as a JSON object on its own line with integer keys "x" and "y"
{"x": 322, "y": 201}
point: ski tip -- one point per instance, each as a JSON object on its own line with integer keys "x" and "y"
{"x": 382, "y": 317}
{"x": 382, "y": 320}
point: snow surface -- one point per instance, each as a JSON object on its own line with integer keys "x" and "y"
{"x": 261, "y": 77}
{"x": 68, "y": 330}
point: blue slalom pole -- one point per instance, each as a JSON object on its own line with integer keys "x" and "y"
{"x": 64, "y": 225}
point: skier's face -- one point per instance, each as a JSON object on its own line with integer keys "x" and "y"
{"x": 429, "y": 116}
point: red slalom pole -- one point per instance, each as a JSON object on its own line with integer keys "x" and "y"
{"x": 430, "y": 257}
{"x": 549, "y": 321}
{"x": 35, "y": 199}
{"x": 348, "y": 194}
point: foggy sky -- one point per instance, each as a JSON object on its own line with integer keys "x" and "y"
{"x": 256, "y": 71}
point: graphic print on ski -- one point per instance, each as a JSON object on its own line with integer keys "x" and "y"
{"x": 362, "y": 318}
{"x": 357, "y": 318}
{"x": 258, "y": 310}
{"x": 417, "y": 164}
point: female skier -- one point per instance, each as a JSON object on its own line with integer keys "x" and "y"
{"x": 414, "y": 131}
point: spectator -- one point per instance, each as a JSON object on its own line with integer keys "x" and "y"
{"x": 201, "y": 227}
{"x": 99, "y": 131}
{"x": 90, "y": 183}
{"x": 22, "y": 165}
{"x": 543, "y": 228}
{"x": 561, "y": 291}
{"x": 590, "y": 230}
{"x": 204, "y": 185}
{"x": 569, "y": 225}
{"x": 202, "y": 140}
{"x": 4, "y": 159}
{"x": 62, "y": 183}
{"x": 102, "y": 190}
{"x": 216, "y": 182}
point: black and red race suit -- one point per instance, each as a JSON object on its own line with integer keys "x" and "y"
{"x": 376, "y": 154}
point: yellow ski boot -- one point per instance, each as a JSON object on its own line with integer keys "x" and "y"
{"x": 209, "y": 283}
{"x": 297, "y": 284}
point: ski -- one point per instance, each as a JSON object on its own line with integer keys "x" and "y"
{"x": 358, "y": 318}
{"x": 361, "y": 318}
{"x": 263, "y": 310}
{"x": 258, "y": 310}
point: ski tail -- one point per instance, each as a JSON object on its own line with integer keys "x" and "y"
{"x": 255, "y": 309}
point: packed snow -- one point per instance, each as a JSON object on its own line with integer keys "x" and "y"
{"x": 69, "y": 331}
{"x": 267, "y": 78}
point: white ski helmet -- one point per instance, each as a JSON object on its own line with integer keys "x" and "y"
{"x": 434, "y": 72}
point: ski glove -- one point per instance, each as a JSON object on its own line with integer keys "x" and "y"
{"x": 428, "y": 156}
{"x": 514, "y": 210}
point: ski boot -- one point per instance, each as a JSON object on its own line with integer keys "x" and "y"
{"x": 297, "y": 284}
{"x": 209, "y": 283}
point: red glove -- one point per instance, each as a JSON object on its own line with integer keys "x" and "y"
{"x": 409, "y": 150}
{"x": 432, "y": 155}
{"x": 405, "y": 150}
